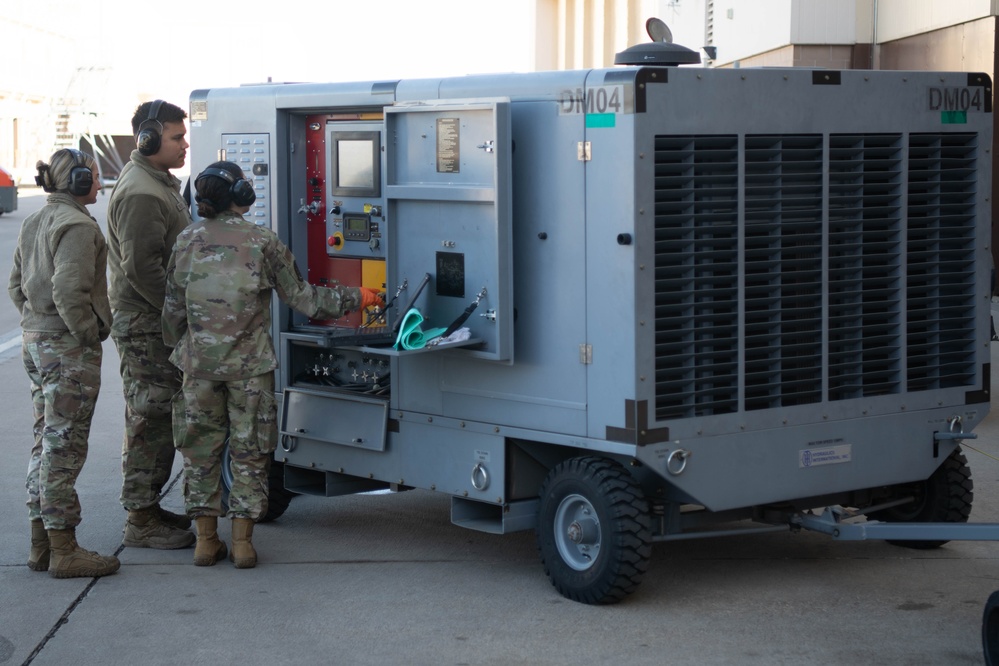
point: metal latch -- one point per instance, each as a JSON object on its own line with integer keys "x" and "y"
{"x": 583, "y": 151}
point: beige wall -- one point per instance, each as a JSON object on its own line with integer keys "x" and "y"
{"x": 829, "y": 56}
{"x": 581, "y": 34}
{"x": 968, "y": 47}
{"x": 746, "y": 29}
{"x": 898, "y": 19}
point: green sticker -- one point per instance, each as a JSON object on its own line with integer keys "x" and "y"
{"x": 600, "y": 120}
{"x": 954, "y": 117}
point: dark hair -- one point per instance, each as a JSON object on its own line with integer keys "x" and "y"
{"x": 213, "y": 193}
{"x": 168, "y": 113}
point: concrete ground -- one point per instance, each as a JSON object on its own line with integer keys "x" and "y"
{"x": 386, "y": 579}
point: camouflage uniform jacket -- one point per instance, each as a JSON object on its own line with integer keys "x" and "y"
{"x": 59, "y": 278}
{"x": 217, "y": 312}
{"x": 145, "y": 214}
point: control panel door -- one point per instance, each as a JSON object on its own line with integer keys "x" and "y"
{"x": 448, "y": 190}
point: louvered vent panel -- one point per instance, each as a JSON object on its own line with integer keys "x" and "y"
{"x": 697, "y": 263}
{"x": 739, "y": 312}
{"x": 783, "y": 270}
{"x": 940, "y": 261}
{"x": 865, "y": 263}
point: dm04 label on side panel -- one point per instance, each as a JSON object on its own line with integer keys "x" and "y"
{"x": 956, "y": 99}
{"x": 604, "y": 99}
{"x": 825, "y": 455}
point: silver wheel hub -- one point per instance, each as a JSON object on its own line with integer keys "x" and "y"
{"x": 577, "y": 532}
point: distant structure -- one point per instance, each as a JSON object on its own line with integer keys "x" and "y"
{"x": 82, "y": 121}
{"x": 50, "y": 98}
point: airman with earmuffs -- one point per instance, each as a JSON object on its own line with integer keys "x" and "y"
{"x": 59, "y": 285}
{"x": 146, "y": 213}
{"x": 217, "y": 315}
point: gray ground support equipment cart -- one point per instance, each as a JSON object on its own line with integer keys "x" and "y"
{"x": 692, "y": 297}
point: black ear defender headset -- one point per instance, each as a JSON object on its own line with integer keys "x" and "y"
{"x": 81, "y": 178}
{"x": 240, "y": 189}
{"x": 148, "y": 139}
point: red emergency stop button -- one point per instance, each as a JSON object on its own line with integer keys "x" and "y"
{"x": 334, "y": 241}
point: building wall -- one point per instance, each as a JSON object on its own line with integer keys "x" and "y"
{"x": 824, "y": 22}
{"x": 583, "y": 34}
{"x": 828, "y": 56}
{"x": 966, "y": 47}
{"x": 898, "y": 19}
{"x": 750, "y": 32}
{"x": 742, "y": 30}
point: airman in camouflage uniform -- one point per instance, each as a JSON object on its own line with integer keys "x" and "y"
{"x": 59, "y": 286}
{"x": 145, "y": 214}
{"x": 217, "y": 315}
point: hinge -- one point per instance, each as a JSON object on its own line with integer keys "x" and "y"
{"x": 586, "y": 354}
{"x": 583, "y": 151}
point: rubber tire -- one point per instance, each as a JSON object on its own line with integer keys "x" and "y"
{"x": 624, "y": 530}
{"x": 278, "y": 498}
{"x": 945, "y": 497}
{"x": 990, "y": 630}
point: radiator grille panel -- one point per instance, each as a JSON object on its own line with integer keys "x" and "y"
{"x": 865, "y": 222}
{"x": 814, "y": 290}
{"x": 941, "y": 274}
{"x": 697, "y": 272}
{"x": 783, "y": 270}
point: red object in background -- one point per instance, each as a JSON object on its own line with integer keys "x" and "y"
{"x": 8, "y": 192}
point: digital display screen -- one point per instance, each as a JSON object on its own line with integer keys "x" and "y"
{"x": 356, "y": 226}
{"x": 355, "y": 163}
{"x": 354, "y": 168}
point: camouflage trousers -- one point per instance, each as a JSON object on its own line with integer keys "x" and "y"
{"x": 244, "y": 411}
{"x": 65, "y": 382}
{"x": 151, "y": 384}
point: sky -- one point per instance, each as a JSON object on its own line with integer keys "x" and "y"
{"x": 166, "y": 50}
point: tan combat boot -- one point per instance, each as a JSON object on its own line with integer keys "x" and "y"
{"x": 144, "y": 529}
{"x": 38, "y": 559}
{"x": 243, "y": 555}
{"x": 180, "y": 521}
{"x": 68, "y": 560}
{"x": 209, "y": 549}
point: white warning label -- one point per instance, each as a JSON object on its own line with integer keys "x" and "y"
{"x": 825, "y": 455}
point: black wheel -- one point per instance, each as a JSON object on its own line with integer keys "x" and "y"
{"x": 593, "y": 530}
{"x": 990, "y": 630}
{"x": 945, "y": 497}
{"x": 278, "y": 498}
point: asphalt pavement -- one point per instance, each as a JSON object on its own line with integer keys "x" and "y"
{"x": 386, "y": 579}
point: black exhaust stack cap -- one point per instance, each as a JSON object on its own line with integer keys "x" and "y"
{"x": 661, "y": 52}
